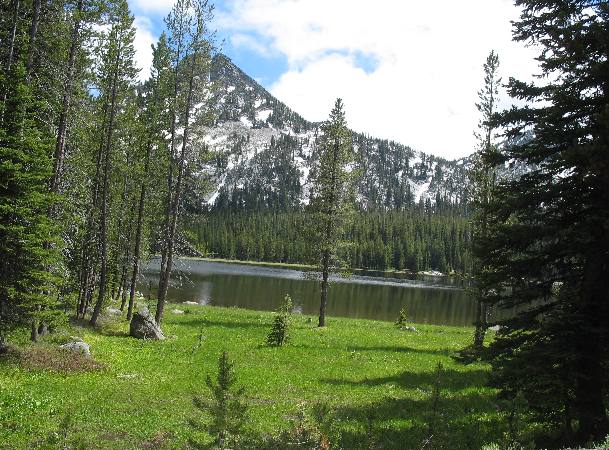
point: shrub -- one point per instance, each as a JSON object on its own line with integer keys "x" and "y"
{"x": 304, "y": 433}
{"x": 226, "y": 409}
{"x": 279, "y": 334}
{"x": 402, "y": 319}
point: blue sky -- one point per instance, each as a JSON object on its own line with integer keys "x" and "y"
{"x": 407, "y": 70}
{"x": 266, "y": 69}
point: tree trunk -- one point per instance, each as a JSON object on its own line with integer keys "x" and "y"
{"x": 176, "y": 199}
{"x": 324, "y": 291}
{"x": 34, "y": 331}
{"x": 590, "y": 377}
{"x": 32, "y": 38}
{"x": 163, "y": 279}
{"x": 62, "y": 126}
{"x": 127, "y": 257}
{"x": 88, "y": 252}
{"x": 104, "y": 212}
{"x": 138, "y": 234}
{"x": 481, "y": 324}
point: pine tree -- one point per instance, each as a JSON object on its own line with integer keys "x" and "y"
{"x": 550, "y": 226}
{"x": 188, "y": 24}
{"x": 155, "y": 96}
{"x": 483, "y": 178}
{"x": 331, "y": 198}
{"x": 28, "y": 293}
{"x": 117, "y": 74}
{"x": 280, "y": 330}
{"x": 227, "y": 408}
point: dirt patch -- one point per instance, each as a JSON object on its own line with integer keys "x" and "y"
{"x": 158, "y": 441}
{"x": 46, "y": 357}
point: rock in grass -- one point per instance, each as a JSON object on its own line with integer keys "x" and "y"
{"x": 113, "y": 312}
{"x": 408, "y": 328}
{"x": 177, "y": 311}
{"x": 78, "y": 347}
{"x": 191, "y": 303}
{"x": 143, "y": 326}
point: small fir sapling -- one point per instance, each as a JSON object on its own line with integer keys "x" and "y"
{"x": 227, "y": 410}
{"x": 402, "y": 318}
{"x": 279, "y": 334}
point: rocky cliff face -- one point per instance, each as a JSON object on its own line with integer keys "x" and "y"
{"x": 263, "y": 152}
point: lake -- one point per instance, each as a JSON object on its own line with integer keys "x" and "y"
{"x": 427, "y": 300}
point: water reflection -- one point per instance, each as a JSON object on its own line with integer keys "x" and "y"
{"x": 262, "y": 288}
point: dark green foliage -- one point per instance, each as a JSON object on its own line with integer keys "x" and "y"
{"x": 414, "y": 239}
{"x": 402, "y": 318}
{"x": 550, "y": 226}
{"x": 226, "y": 409}
{"x": 28, "y": 240}
{"x": 279, "y": 334}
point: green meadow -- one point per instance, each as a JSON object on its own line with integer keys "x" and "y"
{"x": 356, "y": 383}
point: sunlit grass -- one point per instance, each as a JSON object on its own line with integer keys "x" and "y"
{"x": 374, "y": 380}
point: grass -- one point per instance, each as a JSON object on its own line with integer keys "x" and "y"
{"x": 374, "y": 381}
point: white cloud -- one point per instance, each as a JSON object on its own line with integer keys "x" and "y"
{"x": 249, "y": 42}
{"x": 427, "y": 61}
{"x": 142, "y": 44}
{"x": 152, "y": 6}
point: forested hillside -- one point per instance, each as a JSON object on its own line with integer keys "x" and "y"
{"x": 411, "y": 203}
{"x": 412, "y": 239}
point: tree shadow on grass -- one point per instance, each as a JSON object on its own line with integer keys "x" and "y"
{"x": 402, "y": 349}
{"x": 465, "y": 416}
{"x": 451, "y": 380}
{"x": 460, "y": 420}
{"x": 387, "y": 349}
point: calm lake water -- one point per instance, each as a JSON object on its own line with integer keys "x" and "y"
{"x": 431, "y": 301}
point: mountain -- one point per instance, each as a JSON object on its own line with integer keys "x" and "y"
{"x": 263, "y": 152}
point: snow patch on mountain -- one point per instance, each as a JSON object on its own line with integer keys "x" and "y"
{"x": 261, "y": 145}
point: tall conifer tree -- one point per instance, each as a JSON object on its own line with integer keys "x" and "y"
{"x": 117, "y": 73}
{"x": 548, "y": 250}
{"x": 331, "y": 195}
{"x": 483, "y": 178}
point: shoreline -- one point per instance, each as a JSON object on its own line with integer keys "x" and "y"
{"x": 309, "y": 267}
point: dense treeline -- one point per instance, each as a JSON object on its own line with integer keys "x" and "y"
{"x": 414, "y": 239}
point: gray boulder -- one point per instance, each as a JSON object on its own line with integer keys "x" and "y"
{"x": 177, "y": 311}
{"x": 78, "y": 347}
{"x": 113, "y": 312}
{"x": 143, "y": 326}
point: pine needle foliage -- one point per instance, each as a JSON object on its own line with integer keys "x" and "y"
{"x": 402, "y": 319}
{"x": 550, "y": 226}
{"x": 332, "y": 195}
{"x": 280, "y": 330}
{"x": 28, "y": 280}
{"x": 227, "y": 410}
